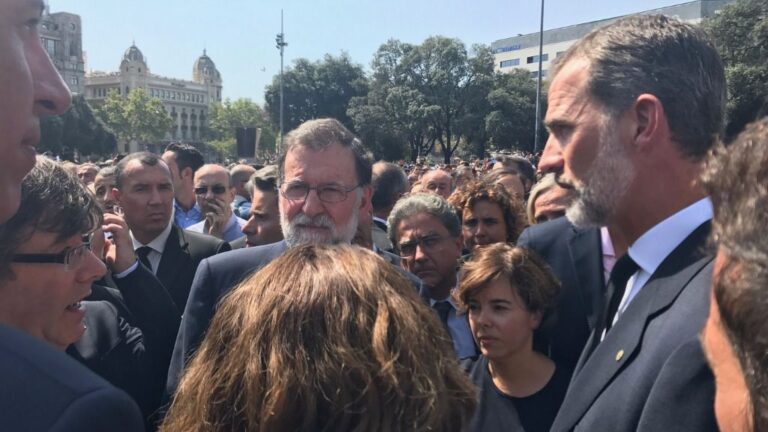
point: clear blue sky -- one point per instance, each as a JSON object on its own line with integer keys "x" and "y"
{"x": 240, "y": 34}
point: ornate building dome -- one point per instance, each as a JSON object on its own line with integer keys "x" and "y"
{"x": 133, "y": 54}
{"x": 204, "y": 69}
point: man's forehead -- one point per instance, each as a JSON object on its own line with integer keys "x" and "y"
{"x": 137, "y": 170}
{"x": 212, "y": 177}
{"x": 567, "y": 95}
{"x": 421, "y": 224}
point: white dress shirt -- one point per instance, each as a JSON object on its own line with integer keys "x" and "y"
{"x": 655, "y": 245}
{"x": 157, "y": 245}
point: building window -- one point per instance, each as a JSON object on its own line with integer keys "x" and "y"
{"x": 559, "y": 53}
{"x": 509, "y": 63}
{"x": 74, "y": 81}
{"x": 535, "y": 74}
{"x": 535, "y": 59}
{"x": 50, "y": 46}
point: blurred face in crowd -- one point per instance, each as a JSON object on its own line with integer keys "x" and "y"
{"x": 512, "y": 184}
{"x": 263, "y": 226}
{"x": 87, "y": 174}
{"x": 103, "y": 186}
{"x": 732, "y": 402}
{"x": 586, "y": 147}
{"x": 146, "y": 196}
{"x": 483, "y": 224}
{"x": 464, "y": 175}
{"x": 212, "y": 189}
{"x": 551, "y": 204}
{"x": 310, "y": 219}
{"x": 438, "y": 182}
{"x": 500, "y": 322}
{"x": 430, "y": 252}
{"x": 44, "y": 299}
{"x": 31, "y": 88}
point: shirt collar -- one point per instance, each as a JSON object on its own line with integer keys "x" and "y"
{"x": 449, "y": 300}
{"x": 653, "y": 247}
{"x": 158, "y": 244}
{"x": 378, "y": 219}
{"x": 607, "y": 244}
{"x": 177, "y": 208}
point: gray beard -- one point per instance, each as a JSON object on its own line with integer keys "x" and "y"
{"x": 607, "y": 181}
{"x": 296, "y": 236}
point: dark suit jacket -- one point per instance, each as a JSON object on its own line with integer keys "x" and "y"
{"x": 130, "y": 335}
{"x": 575, "y": 257}
{"x": 44, "y": 390}
{"x": 183, "y": 252}
{"x": 215, "y": 277}
{"x": 649, "y": 373}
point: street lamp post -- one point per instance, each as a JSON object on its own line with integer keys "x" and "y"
{"x": 281, "y": 44}
{"x": 536, "y": 139}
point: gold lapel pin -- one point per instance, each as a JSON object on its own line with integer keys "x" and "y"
{"x": 619, "y": 355}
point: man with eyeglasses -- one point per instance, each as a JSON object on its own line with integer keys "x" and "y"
{"x": 214, "y": 194}
{"x": 426, "y": 232}
{"x": 324, "y": 184}
{"x": 41, "y": 389}
{"x": 144, "y": 190}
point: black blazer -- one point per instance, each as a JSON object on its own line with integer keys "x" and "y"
{"x": 183, "y": 252}
{"x": 130, "y": 335}
{"x": 649, "y": 373}
{"x": 215, "y": 277}
{"x": 575, "y": 257}
{"x": 44, "y": 390}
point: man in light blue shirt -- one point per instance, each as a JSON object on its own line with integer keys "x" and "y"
{"x": 214, "y": 194}
{"x": 426, "y": 233}
{"x": 184, "y": 160}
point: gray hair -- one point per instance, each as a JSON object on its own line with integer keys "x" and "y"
{"x": 662, "y": 56}
{"x": 546, "y": 183}
{"x": 431, "y": 204}
{"x": 53, "y": 201}
{"x": 321, "y": 133}
{"x": 109, "y": 171}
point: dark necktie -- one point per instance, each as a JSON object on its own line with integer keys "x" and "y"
{"x": 624, "y": 269}
{"x": 143, "y": 254}
{"x": 443, "y": 308}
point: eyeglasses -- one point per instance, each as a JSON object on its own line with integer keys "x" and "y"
{"x": 428, "y": 243}
{"x": 216, "y": 189}
{"x": 298, "y": 191}
{"x": 70, "y": 257}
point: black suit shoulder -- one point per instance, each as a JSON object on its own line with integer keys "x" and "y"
{"x": 45, "y": 390}
{"x": 202, "y": 245}
{"x": 541, "y": 237}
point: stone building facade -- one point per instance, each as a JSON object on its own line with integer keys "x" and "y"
{"x": 62, "y": 37}
{"x": 187, "y": 102}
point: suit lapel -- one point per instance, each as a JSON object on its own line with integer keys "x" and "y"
{"x": 173, "y": 259}
{"x": 588, "y": 267}
{"x": 620, "y": 346}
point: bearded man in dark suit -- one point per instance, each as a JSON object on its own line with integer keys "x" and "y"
{"x": 633, "y": 109}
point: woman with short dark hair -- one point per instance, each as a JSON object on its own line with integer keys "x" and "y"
{"x": 507, "y": 291}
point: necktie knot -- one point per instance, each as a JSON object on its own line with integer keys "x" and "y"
{"x": 143, "y": 255}
{"x": 443, "y": 308}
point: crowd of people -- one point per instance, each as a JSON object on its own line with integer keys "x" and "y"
{"x": 615, "y": 283}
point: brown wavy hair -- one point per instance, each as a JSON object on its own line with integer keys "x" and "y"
{"x": 528, "y": 275}
{"x": 481, "y": 190}
{"x": 326, "y": 337}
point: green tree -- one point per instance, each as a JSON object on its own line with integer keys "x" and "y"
{"x": 510, "y": 123}
{"x": 740, "y": 32}
{"x": 136, "y": 117}
{"x": 316, "y": 89}
{"x": 225, "y": 117}
{"x": 76, "y": 130}
{"x": 428, "y": 94}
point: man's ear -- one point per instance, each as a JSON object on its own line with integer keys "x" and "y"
{"x": 187, "y": 173}
{"x": 650, "y": 121}
{"x": 365, "y": 201}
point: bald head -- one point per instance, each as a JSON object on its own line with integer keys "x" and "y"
{"x": 437, "y": 181}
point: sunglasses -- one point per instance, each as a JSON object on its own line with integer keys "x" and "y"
{"x": 216, "y": 189}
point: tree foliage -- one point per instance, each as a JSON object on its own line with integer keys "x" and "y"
{"x": 136, "y": 117}
{"x": 510, "y": 122}
{"x": 740, "y": 31}
{"x": 76, "y": 130}
{"x": 315, "y": 90}
{"x": 225, "y": 117}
